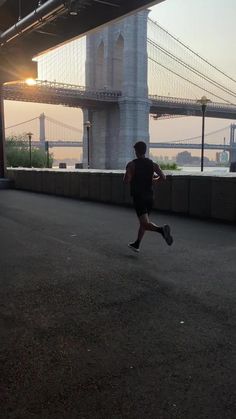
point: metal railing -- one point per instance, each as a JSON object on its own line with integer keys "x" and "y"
{"x": 192, "y": 102}
{"x": 13, "y": 90}
{"x": 47, "y": 87}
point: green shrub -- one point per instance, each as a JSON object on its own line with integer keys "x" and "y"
{"x": 168, "y": 166}
{"x": 17, "y": 153}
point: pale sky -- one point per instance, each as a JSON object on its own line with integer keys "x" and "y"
{"x": 207, "y": 26}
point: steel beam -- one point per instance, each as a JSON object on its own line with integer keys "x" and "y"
{"x": 39, "y": 17}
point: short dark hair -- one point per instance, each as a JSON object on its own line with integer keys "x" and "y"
{"x": 140, "y": 147}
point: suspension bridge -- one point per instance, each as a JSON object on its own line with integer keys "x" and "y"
{"x": 104, "y": 88}
{"x": 59, "y": 134}
{"x": 177, "y": 77}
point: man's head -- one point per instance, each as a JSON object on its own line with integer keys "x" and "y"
{"x": 140, "y": 148}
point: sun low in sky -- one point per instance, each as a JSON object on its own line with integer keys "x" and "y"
{"x": 30, "y": 82}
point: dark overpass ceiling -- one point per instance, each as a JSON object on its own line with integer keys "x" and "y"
{"x": 68, "y": 19}
{"x": 64, "y": 26}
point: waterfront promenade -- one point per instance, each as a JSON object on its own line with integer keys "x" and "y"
{"x": 91, "y": 330}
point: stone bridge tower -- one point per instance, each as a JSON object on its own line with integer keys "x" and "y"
{"x": 116, "y": 59}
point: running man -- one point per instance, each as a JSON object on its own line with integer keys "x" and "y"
{"x": 141, "y": 173}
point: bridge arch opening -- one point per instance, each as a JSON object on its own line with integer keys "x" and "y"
{"x": 100, "y": 67}
{"x": 118, "y": 63}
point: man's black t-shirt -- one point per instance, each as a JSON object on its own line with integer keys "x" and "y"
{"x": 141, "y": 183}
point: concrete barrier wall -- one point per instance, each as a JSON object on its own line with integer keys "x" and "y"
{"x": 195, "y": 195}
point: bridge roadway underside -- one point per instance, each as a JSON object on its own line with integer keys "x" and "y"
{"x": 91, "y": 330}
{"x": 100, "y": 99}
{"x": 188, "y": 110}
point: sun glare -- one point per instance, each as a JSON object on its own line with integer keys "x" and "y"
{"x": 30, "y": 82}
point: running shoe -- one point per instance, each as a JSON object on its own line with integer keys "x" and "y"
{"x": 134, "y": 246}
{"x": 166, "y": 234}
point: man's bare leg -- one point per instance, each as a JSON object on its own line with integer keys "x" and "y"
{"x": 147, "y": 225}
{"x": 141, "y": 233}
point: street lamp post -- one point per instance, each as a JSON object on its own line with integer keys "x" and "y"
{"x": 87, "y": 125}
{"x": 47, "y": 153}
{"x": 203, "y": 101}
{"x": 30, "y": 147}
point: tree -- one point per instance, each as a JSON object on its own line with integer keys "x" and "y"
{"x": 17, "y": 153}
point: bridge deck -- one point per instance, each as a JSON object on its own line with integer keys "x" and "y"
{"x": 91, "y": 330}
{"x": 80, "y": 96}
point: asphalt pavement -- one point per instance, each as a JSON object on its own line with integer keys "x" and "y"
{"x": 90, "y": 329}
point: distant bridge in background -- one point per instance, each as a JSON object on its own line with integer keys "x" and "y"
{"x": 60, "y": 135}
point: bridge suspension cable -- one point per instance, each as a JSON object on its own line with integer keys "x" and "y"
{"x": 192, "y": 69}
{"x": 191, "y": 50}
{"x": 70, "y": 127}
{"x": 199, "y": 137}
{"x": 191, "y": 82}
{"x": 172, "y": 53}
{"x": 21, "y": 123}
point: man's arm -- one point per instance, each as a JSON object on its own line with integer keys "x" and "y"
{"x": 128, "y": 173}
{"x": 159, "y": 172}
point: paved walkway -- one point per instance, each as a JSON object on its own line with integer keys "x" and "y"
{"x": 91, "y": 330}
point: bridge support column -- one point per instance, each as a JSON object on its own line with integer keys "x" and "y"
{"x": 114, "y": 132}
{"x": 104, "y": 137}
{"x": 134, "y": 126}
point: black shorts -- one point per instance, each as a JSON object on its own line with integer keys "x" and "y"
{"x": 143, "y": 205}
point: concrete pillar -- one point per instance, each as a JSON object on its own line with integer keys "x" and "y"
{"x": 117, "y": 60}
{"x": 134, "y": 120}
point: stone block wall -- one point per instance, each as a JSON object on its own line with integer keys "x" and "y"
{"x": 192, "y": 195}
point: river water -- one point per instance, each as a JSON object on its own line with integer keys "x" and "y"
{"x": 213, "y": 170}
{"x": 189, "y": 169}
